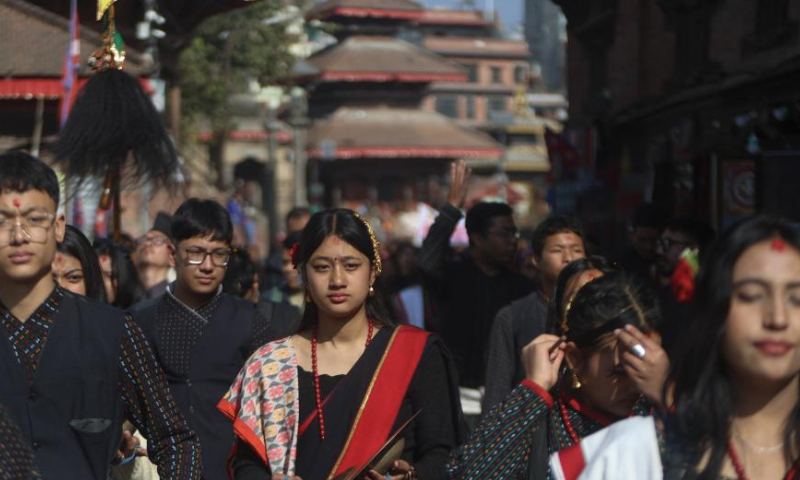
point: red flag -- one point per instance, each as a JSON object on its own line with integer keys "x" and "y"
{"x": 564, "y": 157}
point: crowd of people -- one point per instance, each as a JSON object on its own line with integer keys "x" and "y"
{"x": 176, "y": 356}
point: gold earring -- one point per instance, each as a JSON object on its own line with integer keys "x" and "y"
{"x": 576, "y": 383}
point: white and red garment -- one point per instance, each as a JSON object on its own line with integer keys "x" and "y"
{"x": 626, "y": 449}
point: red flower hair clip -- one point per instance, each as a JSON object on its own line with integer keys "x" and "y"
{"x": 293, "y": 253}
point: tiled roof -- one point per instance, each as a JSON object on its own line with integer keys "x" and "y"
{"x": 376, "y": 58}
{"x": 33, "y": 43}
{"x": 400, "y": 9}
{"x": 454, "y": 17}
{"x": 477, "y": 47}
{"x": 383, "y": 132}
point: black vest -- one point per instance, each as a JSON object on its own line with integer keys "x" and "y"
{"x": 217, "y": 357}
{"x": 72, "y": 414}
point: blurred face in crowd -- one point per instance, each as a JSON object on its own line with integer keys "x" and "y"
{"x": 761, "y": 342}
{"x": 29, "y": 231}
{"x": 558, "y": 251}
{"x": 669, "y": 247}
{"x": 338, "y": 277}
{"x": 575, "y": 283}
{"x": 154, "y": 249}
{"x": 290, "y": 274}
{"x": 108, "y": 278}
{"x": 499, "y": 243}
{"x": 200, "y": 264}
{"x": 405, "y": 261}
{"x": 643, "y": 240}
{"x": 68, "y": 273}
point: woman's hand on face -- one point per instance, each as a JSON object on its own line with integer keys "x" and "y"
{"x": 645, "y": 362}
{"x": 542, "y": 365}
{"x": 401, "y": 470}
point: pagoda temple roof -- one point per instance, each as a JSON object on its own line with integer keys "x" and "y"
{"x": 33, "y": 46}
{"x": 477, "y": 47}
{"x": 391, "y": 9}
{"x": 448, "y": 17}
{"x": 381, "y": 59}
{"x": 384, "y": 132}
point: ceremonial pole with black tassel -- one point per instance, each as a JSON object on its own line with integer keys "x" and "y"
{"x": 114, "y": 128}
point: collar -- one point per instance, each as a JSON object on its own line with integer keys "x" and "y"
{"x": 196, "y": 311}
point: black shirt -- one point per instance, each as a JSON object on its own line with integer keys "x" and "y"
{"x": 465, "y": 298}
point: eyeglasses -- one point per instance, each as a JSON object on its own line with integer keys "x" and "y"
{"x": 196, "y": 256}
{"x": 506, "y": 233}
{"x": 666, "y": 243}
{"x": 34, "y": 226}
{"x": 156, "y": 240}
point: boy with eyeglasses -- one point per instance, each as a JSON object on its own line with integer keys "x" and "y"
{"x": 72, "y": 369}
{"x": 200, "y": 335}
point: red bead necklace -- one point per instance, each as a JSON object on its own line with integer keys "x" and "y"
{"x": 737, "y": 464}
{"x": 314, "y": 368}
{"x": 565, "y": 418}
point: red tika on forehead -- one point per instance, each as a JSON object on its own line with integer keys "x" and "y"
{"x": 591, "y": 276}
{"x": 16, "y": 202}
{"x": 778, "y": 245}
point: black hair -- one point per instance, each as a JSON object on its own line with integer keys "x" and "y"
{"x": 20, "y": 172}
{"x": 128, "y": 290}
{"x": 344, "y": 224}
{"x": 201, "y": 218}
{"x": 291, "y": 239}
{"x": 606, "y": 304}
{"x": 239, "y": 275}
{"x": 77, "y": 245}
{"x": 553, "y": 225}
{"x": 556, "y": 308}
{"x": 298, "y": 212}
{"x": 703, "y": 391}
{"x": 697, "y": 231}
{"x": 648, "y": 215}
{"x": 479, "y": 217}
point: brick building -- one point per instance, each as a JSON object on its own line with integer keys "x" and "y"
{"x": 695, "y": 104}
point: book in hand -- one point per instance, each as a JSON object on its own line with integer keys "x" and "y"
{"x": 384, "y": 458}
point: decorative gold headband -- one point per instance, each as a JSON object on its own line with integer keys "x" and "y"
{"x": 376, "y": 246}
{"x": 564, "y": 326}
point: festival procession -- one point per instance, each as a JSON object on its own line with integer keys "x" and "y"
{"x": 399, "y": 240}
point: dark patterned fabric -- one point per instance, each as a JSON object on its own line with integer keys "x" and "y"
{"x": 171, "y": 443}
{"x": 28, "y": 338}
{"x": 501, "y": 445}
{"x": 180, "y": 327}
{"x": 16, "y": 458}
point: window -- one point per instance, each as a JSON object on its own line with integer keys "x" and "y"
{"x": 470, "y": 106}
{"x": 447, "y": 105}
{"x": 520, "y": 72}
{"x": 497, "y": 75}
{"x": 497, "y": 103}
{"x": 472, "y": 73}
